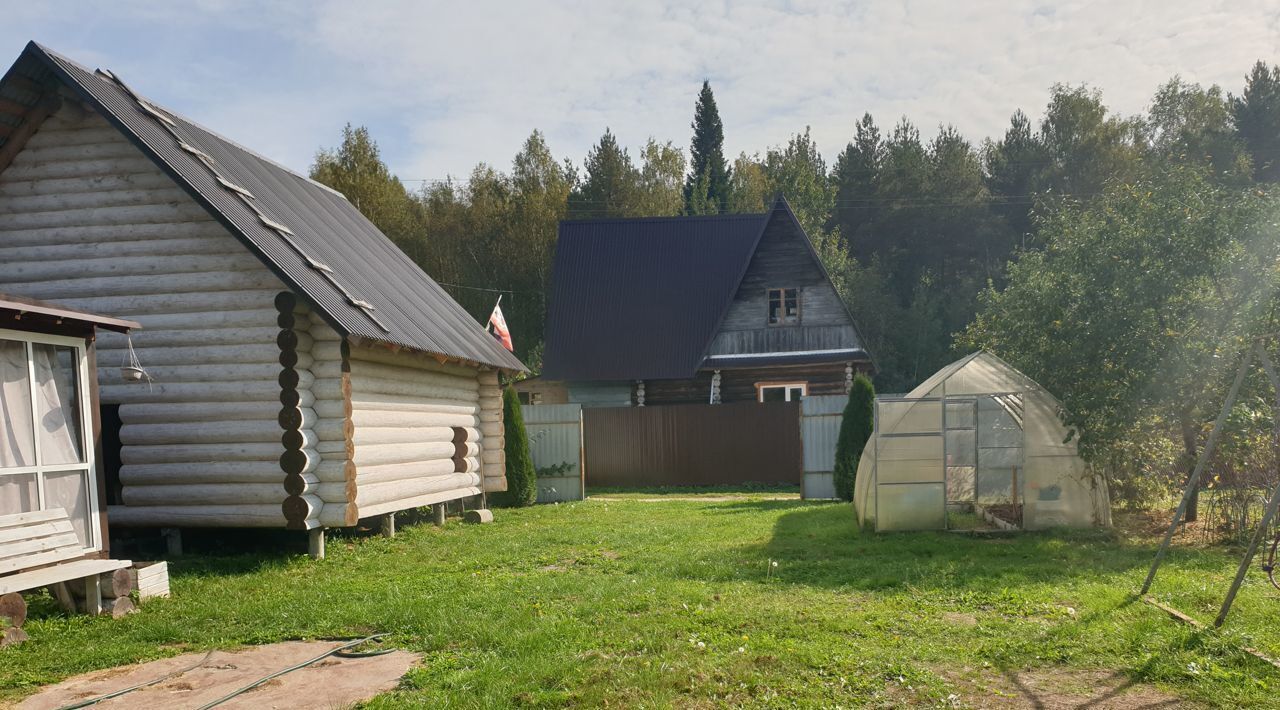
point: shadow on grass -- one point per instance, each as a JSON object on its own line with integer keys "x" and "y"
{"x": 821, "y": 545}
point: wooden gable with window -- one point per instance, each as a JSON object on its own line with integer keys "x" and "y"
{"x": 697, "y": 310}
{"x": 50, "y": 453}
{"x": 786, "y": 334}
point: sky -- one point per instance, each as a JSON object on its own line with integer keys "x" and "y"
{"x": 443, "y": 86}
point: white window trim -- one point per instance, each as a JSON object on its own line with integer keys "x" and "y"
{"x": 89, "y": 467}
{"x": 786, "y": 388}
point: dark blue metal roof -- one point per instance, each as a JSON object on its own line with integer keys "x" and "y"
{"x": 309, "y": 235}
{"x": 641, "y": 298}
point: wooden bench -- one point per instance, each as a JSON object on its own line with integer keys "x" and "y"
{"x": 40, "y": 549}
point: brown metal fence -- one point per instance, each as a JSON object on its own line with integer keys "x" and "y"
{"x": 693, "y": 444}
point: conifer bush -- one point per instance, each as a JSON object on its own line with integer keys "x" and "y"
{"x": 522, "y": 479}
{"x": 855, "y": 429}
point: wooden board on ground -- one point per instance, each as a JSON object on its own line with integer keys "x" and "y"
{"x": 331, "y": 683}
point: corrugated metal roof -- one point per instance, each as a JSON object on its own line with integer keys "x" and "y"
{"x": 359, "y": 281}
{"x": 641, "y": 298}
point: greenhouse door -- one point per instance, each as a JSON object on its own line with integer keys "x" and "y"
{"x": 984, "y": 452}
{"x": 1001, "y": 479}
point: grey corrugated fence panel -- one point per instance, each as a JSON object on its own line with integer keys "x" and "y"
{"x": 820, "y": 428}
{"x": 555, "y": 437}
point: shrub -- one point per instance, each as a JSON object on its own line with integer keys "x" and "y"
{"x": 855, "y": 429}
{"x": 522, "y": 479}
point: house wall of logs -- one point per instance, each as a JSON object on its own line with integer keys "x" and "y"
{"x": 258, "y": 414}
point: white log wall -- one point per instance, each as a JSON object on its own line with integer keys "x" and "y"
{"x": 494, "y": 466}
{"x": 88, "y": 221}
{"x": 405, "y": 411}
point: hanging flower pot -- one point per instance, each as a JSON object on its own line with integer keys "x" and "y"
{"x": 131, "y": 368}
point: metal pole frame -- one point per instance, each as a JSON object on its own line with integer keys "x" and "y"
{"x": 1270, "y": 368}
{"x": 1205, "y": 454}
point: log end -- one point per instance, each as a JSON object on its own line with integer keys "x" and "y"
{"x": 12, "y": 636}
{"x": 13, "y": 610}
{"x": 478, "y": 516}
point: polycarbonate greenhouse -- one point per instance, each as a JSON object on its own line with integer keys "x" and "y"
{"x": 977, "y": 443}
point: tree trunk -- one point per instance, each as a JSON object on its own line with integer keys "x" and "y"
{"x": 1191, "y": 452}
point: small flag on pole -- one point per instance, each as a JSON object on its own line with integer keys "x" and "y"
{"x": 498, "y": 326}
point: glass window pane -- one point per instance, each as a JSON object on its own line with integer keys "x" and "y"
{"x": 795, "y": 394}
{"x": 909, "y": 417}
{"x": 960, "y": 415}
{"x": 960, "y": 448}
{"x": 772, "y": 394}
{"x": 67, "y": 490}
{"x": 57, "y": 404}
{"x": 18, "y": 493}
{"x": 17, "y": 437}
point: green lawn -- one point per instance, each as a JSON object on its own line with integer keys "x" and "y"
{"x": 678, "y": 603}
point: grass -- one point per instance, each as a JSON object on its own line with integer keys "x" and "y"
{"x": 750, "y": 490}
{"x": 678, "y": 603}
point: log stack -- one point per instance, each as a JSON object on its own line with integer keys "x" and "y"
{"x": 116, "y": 587}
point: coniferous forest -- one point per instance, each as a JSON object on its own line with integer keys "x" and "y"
{"x": 1119, "y": 260}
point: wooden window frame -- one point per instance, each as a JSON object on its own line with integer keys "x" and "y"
{"x": 768, "y": 300}
{"x": 785, "y": 385}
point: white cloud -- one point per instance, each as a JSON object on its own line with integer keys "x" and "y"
{"x": 446, "y": 85}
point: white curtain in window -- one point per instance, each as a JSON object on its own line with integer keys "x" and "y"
{"x": 17, "y": 442}
{"x": 67, "y": 490}
{"x": 57, "y": 413}
{"x": 18, "y": 493}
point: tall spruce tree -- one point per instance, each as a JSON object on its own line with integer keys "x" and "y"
{"x": 706, "y": 159}
{"x": 1257, "y": 118}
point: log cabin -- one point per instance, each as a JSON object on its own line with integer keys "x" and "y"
{"x": 301, "y": 371}
{"x": 683, "y": 310}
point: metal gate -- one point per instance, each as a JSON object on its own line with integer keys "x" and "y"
{"x": 693, "y": 444}
{"x": 555, "y": 444}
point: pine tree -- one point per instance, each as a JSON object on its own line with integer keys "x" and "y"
{"x": 1257, "y": 119}
{"x": 522, "y": 479}
{"x": 855, "y": 430}
{"x": 855, "y": 176}
{"x": 706, "y": 157}
{"x": 1014, "y": 165}
{"x": 611, "y": 183}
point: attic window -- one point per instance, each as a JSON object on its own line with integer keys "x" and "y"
{"x": 784, "y": 306}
